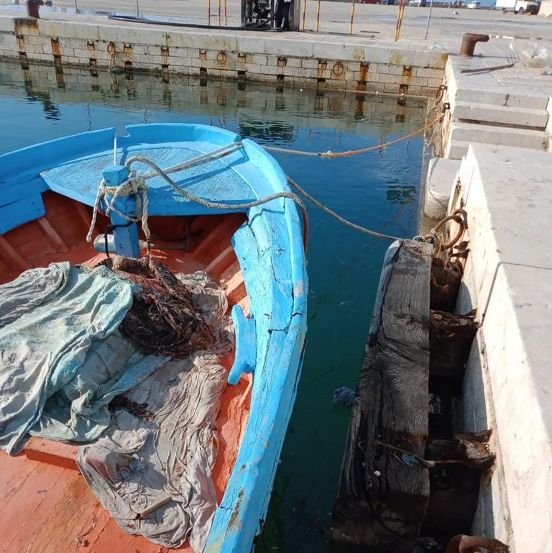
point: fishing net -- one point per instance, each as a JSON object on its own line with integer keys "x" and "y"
{"x": 163, "y": 319}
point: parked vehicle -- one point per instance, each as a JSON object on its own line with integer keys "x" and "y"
{"x": 518, "y": 6}
{"x": 473, "y": 5}
{"x": 417, "y": 3}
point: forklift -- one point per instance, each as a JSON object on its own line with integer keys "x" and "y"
{"x": 275, "y": 15}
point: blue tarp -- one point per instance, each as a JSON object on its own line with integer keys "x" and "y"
{"x": 61, "y": 359}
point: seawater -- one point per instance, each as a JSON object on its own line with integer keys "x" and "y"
{"x": 379, "y": 190}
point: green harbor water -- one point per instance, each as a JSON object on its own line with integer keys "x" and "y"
{"x": 379, "y": 190}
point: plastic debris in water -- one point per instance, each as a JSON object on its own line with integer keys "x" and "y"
{"x": 344, "y": 396}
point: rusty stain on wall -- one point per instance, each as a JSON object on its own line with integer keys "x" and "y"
{"x": 221, "y": 60}
{"x": 165, "y": 56}
{"x": 56, "y": 49}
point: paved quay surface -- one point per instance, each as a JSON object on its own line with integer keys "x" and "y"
{"x": 373, "y": 24}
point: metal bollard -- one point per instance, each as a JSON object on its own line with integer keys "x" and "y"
{"x": 469, "y": 40}
{"x": 32, "y": 8}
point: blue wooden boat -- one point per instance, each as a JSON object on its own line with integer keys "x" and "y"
{"x": 47, "y": 195}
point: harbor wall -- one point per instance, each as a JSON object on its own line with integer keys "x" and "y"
{"x": 506, "y": 194}
{"x": 236, "y": 55}
{"x": 494, "y": 161}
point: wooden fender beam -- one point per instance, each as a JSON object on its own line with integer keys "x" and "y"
{"x": 384, "y": 492}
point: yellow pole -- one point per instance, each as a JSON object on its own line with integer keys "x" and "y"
{"x": 317, "y": 16}
{"x": 352, "y": 17}
{"x": 400, "y": 15}
{"x": 304, "y": 12}
{"x": 226, "y": 12}
{"x": 209, "y": 11}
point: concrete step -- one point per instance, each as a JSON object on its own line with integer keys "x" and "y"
{"x": 457, "y": 149}
{"x": 515, "y": 97}
{"x": 441, "y": 176}
{"x": 462, "y": 134}
{"x": 488, "y": 113}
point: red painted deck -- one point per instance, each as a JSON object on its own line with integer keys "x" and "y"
{"x": 46, "y": 504}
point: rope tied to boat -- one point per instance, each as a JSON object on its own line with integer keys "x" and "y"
{"x": 133, "y": 185}
{"x": 136, "y": 184}
{"x": 348, "y": 153}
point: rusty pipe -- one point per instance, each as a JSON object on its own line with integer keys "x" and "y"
{"x": 32, "y": 8}
{"x": 469, "y": 40}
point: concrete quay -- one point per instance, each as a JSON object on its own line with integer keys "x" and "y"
{"x": 507, "y": 279}
{"x": 489, "y": 103}
{"x": 494, "y": 160}
{"x": 297, "y": 59}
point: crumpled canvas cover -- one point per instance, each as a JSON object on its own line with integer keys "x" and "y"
{"x": 152, "y": 469}
{"x": 56, "y": 337}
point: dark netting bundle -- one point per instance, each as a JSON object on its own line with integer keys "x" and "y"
{"x": 162, "y": 319}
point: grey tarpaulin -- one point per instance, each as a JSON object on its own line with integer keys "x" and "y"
{"x": 158, "y": 452}
{"x": 56, "y": 327}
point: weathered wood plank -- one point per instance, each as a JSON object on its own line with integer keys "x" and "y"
{"x": 383, "y": 492}
{"x": 451, "y": 337}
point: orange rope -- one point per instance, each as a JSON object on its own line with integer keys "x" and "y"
{"x": 348, "y": 153}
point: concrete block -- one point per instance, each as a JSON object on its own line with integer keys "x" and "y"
{"x": 414, "y": 90}
{"x": 31, "y": 40}
{"x": 293, "y": 62}
{"x": 216, "y": 41}
{"x": 294, "y": 71}
{"x": 330, "y": 51}
{"x": 39, "y": 56}
{"x": 434, "y": 83}
{"x": 277, "y": 47}
{"x": 132, "y": 35}
{"x": 436, "y": 60}
{"x": 8, "y": 40}
{"x": 441, "y": 177}
{"x": 429, "y": 72}
{"x": 6, "y": 24}
{"x": 523, "y": 117}
{"x": 456, "y": 149}
{"x": 68, "y": 29}
{"x": 388, "y": 78}
{"x": 415, "y": 81}
{"x": 488, "y": 134}
{"x": 181, "y": 39}
{"x": 376, "y": 54}
{"x": 83, "y": 54}
{"x": 309, "y": 64}
{"x": 379, "y": 67}
{"x": 391, "y": 88}
{"x": 413, "y": 58}
{"x": 391, "y": 69}
{"x": 253, "y": 69}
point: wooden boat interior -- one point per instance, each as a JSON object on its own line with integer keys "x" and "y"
{"x": 51, "y": 509}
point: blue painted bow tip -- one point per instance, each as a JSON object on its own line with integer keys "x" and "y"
{"x": 115, "y": 174}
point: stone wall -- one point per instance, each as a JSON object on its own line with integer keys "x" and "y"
{"x": 223, "y": 55}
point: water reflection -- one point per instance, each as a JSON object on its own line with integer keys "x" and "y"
{"x": 280, "y": 111}
{"x": 401, "y": 194}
